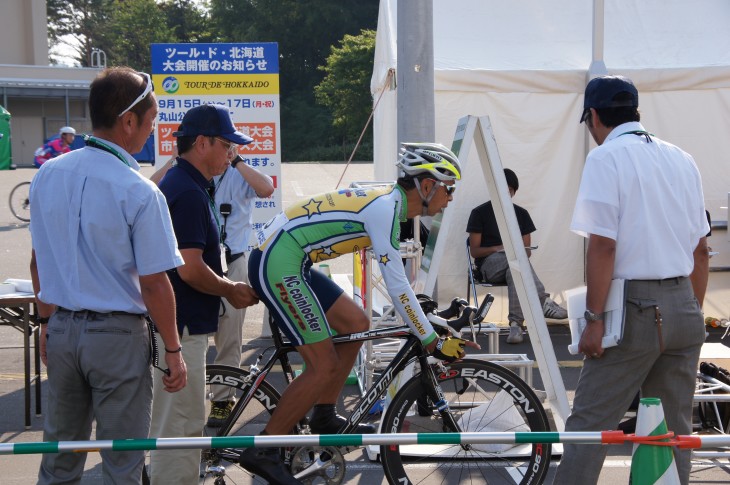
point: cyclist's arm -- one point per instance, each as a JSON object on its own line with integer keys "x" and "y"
{"x": 383, "y": 228}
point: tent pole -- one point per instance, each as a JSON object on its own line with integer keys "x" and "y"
{"x": 598, "y": 66}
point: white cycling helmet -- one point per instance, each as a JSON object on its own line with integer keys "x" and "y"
{"x": 431, "y": 158}
{"x": 66, "y": 130}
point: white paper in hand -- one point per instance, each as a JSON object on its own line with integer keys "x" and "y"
{"x": 614, "y": 318}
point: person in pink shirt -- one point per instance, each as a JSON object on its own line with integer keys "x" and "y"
{"x": 55, "y": 147}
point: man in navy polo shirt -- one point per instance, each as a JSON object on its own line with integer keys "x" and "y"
{"x": 205, "y": 140}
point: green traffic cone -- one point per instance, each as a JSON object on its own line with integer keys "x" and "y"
{"x": 650, "y": 464}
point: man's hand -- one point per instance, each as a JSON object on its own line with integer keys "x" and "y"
{"x": 449, "y": 349}
{"x": 241, "y": 296}
{"x": 178, "y": 377}
{"x": 591, "y": 342}
{"x": 42, "y": 342}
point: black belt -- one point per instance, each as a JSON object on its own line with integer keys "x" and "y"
{"x": 232, "y": 257}
{"x": 673, "y": 279}
{"x": 93, "y": 314}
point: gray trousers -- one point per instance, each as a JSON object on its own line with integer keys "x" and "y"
{"x": 495, "y": 269}
{"x": 608, "y": 385}
{"x": 98, "y": 368}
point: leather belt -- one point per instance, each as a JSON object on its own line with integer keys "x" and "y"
{"x": 93, "y": 314}
{"x": 231, "y": 258}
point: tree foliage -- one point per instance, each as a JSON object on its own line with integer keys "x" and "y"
{"x": 305, "y": 30}
{"x": 79, "y": 25}
{"x": 134, "y": 26}
{"x": 345, "y": 89}
{"x": 124, "y": 29}
{"x": 189, "y": 20}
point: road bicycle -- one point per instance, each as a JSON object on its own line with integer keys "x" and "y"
{"x": 469, "y": 395}
{"x": 19, "y": 201}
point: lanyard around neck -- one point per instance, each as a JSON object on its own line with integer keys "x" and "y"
{"x": 639, "y": 133}
{"x": 211, "y": 202}
{"x": 96, "y": 143}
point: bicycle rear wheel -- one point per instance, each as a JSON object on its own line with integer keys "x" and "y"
{"x": 223, "y": 462}
{"x": 483, "y": 397}
{"x": 19, "y": 201}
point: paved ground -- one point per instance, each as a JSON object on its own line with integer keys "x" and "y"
{"x": 298, "y": 180}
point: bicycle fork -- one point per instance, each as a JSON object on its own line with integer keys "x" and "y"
{"x": 436, "y": 394}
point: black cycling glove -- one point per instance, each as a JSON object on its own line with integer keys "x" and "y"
{"x": 449, "y": 349}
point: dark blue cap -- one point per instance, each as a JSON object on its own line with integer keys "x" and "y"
{"x": 211, "y": 120}
{"x": 601, "y": 90}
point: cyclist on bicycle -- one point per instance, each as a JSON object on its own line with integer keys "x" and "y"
{"x": 307, "y": 306}
{"x": 55, "y": 147}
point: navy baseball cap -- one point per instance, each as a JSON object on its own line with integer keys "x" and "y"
{"x": 601, "y": 90}
{"x": 211, "y": 120}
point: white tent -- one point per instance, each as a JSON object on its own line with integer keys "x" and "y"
{"x": 525, "y": 65}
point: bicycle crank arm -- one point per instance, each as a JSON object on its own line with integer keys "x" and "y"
{"x": 313, "y": 469}
{"x": 318, "y": 464}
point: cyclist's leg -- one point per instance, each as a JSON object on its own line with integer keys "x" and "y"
{"x": 345, "y": 316}
{"x": 298, "y": 398}
{"x": 280, "y": 275}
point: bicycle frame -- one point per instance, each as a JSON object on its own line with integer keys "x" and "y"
{"x": 412, "y": 349}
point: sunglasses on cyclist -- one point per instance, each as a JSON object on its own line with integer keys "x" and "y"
{"x": 148, "y": 88}
{"x": 450, "y": 189}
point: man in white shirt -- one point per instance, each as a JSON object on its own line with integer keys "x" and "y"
{"x": 641, "y": 206}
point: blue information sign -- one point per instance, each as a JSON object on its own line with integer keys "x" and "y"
{"x": 261, "y": 58}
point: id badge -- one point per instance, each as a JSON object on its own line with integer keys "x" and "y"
{"x": 224, "y": 265}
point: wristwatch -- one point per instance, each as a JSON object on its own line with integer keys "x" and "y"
{"x": 236, "y": 161}
{"x": 592, "y": 317}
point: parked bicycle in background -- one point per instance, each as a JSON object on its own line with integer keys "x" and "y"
{"x": 19, "y": 201}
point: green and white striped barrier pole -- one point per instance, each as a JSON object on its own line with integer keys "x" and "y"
{"x": 589, "y": 437}
{"x": 652, "y": 464}
{"x": 310, "y": 440}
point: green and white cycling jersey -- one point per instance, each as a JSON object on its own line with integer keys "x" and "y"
{"x": 329, "y": 225}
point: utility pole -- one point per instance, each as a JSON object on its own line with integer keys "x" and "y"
{"x": 414, "y": 74}
{"x": 416, "y": 112}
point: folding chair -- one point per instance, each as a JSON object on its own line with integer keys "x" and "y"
{"x": 474, "y": 279}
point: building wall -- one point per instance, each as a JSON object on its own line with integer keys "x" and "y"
{"x": 36, "y": 94}
{"x": 24, "y": 32}
{"x": 37, "y": 119}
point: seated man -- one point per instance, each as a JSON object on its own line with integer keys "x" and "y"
{"x": 307, "y": 305}
{"x": 486, "y": 248}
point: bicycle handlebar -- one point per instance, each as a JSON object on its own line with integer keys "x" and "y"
{"x": 455, "y": 326}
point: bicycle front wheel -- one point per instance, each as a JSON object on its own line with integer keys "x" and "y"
{"x": 19, "y": 201}
{"x": 483, "y": 397}
{"x": 223, "y": 462}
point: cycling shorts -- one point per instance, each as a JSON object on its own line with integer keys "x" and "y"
{"x": 297, "y": 296}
